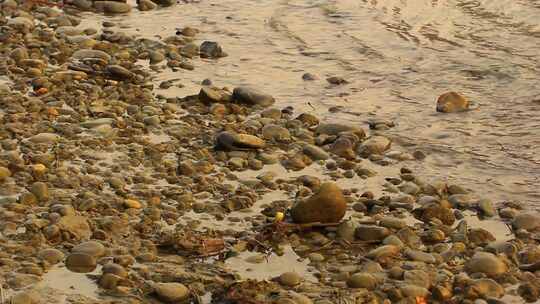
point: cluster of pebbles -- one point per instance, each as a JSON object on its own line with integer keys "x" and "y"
{"x": 151, "y": 198}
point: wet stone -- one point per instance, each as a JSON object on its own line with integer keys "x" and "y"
{"x": 80, "y": 262}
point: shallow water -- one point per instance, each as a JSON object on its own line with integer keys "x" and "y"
{"x": 398, "y": 56}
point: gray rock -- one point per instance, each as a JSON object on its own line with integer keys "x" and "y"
{"x": 251, "y": 96}
{"x": 211, "y": 49}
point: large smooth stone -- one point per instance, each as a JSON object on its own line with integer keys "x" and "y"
{"x": 487, "y": 263}
{"x": 252, "y": 96}
{"x": 171, "y": 292}
{"x": 328, "y": 205}
{"x": 452, "y": 102}
{"x": 81, "y": 263}
{"x": 527, "y": 221}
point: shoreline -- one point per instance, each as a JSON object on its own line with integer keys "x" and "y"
{"x": 112, "y": 193}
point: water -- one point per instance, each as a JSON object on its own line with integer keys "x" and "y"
{"x": 398, "y": 56}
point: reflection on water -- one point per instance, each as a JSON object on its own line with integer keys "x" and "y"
{"x": 398, "y": 56}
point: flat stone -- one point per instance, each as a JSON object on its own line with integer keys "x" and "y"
{"x": 252, "y": 96}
